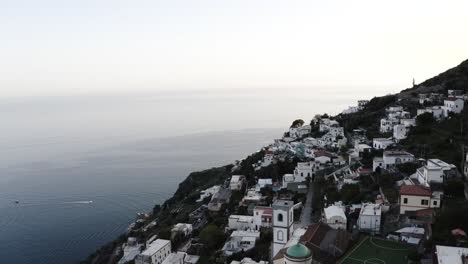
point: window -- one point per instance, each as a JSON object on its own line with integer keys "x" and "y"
{"x": 424, "y": 202}
{"x": 279, "y": 235}
{"x": 434, "y": 203}
{"x": 280, "y": 217}
{"x": 405, "y": 200}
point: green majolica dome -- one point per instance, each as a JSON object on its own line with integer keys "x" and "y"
{"x": 298, "y": 251}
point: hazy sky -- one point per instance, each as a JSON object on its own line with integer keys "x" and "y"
{"x": 67, "y": 47}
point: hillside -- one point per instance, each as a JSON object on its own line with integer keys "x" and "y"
{"x": 455, "y": 78}
{"x": 441, "y": 139}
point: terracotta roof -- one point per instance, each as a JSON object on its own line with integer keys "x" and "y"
{"x": 321, "y": 152}
{"x": 415, "y": 190}
{"x": 451, "y": 99}
{"x": 315, "y": 234}
{"x": 266, "y": 210}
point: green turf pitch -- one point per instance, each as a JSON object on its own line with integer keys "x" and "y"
{"x": 371, "y": 250}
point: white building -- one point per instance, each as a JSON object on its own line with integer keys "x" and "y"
{"x": 304, "y": 169}
{"x": 433, "y": 171}
{"x": 399, "y": 132}
{"x": 417, "y": 197}
{"x": 181, "y": 258}
{"x": 394, "y": 109}
{"x": 326, "y": 124}
{"x": 283, "y": 218}
{"x": 241, "y": 222}
{"x": 290, "y": 178}
{"x": 436, "y": 111}
{"x": 408, "y": 122}
{"x": 248, "y": 261}
{"x": 303, "y": 131}
{"x": 387, "y": 124}
{"x": 181, "y": 228}
{"x": 208, "y": 192}
{"x": 382, "y": 143}
{"x": 362, "y": 148}
{"x": 262, "y": 217}
{"x": 335, "y": 217}
{"x": 454, "y": 105}
{"x": 240, "y": 241}
{"x": 268, "y": 159}
{"x": 155, "y": 253}
{"x": 391, "y": 159}
{"x": 130, "y": 250}
{"x": 466, "y": 165}
{"x": 451, "y": 255}
{"x": 252, "y": 196}
{"x": 237, "y": 182}
{"x": 262, "y": 183}
{"x": 369, "y": 218}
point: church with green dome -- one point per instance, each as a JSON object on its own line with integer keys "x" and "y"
{"x": 298, "y": 254}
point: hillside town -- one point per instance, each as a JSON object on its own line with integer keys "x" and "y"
{"x": 322, "y": 193}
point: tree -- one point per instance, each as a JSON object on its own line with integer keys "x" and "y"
{"x": 212, "y": 237}
{"x": 350, "y": 193}
{"x": 297, "y": 123}
{"x": 454, "y": 188}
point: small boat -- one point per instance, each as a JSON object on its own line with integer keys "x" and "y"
{"x": 16, "y": 202}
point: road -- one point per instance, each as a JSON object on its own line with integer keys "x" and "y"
{"x": 306, "y": 216}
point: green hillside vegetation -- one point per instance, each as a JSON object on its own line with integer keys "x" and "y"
{"x": 452, "y": 79}
{"x": 439, "y": 139}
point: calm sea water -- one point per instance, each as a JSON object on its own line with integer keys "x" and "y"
{"x": 125, "y": 153}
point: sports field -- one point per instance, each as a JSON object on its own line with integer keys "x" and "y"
{"x": 371, "y": 250}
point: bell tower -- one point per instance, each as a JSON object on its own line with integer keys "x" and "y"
{"x": 283, "y": 218}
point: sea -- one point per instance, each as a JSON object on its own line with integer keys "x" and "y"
{"x": 75, "y": 170}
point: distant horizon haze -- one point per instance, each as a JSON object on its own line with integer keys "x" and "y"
{"x": 53, "y": 47}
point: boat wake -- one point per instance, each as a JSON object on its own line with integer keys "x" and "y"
{"x": 80, "y": 202}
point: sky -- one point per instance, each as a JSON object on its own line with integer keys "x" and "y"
{"x": 56, "y": 47}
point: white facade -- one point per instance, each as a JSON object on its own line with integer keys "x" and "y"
{"x": 283, "y": 219}
{"x": 304, "y": 169}
{"x": 209, "y": 192}
{"x": 262, "y": 183}
{"x": 181, "y": 228}
{"x": 454, "y": 105}
{"x": 240, "y": 241}
{"x": 400, "y": 132}
{"x": 241, "y": 222}
{"x": 326, "y": 124}
{"x": 290, "y": 178}
{"x": 451, "y": 255}
{"x": 262, "y": 217}
{"x": 394, "y": 109}
{"x": 381, "y": 143}
{"x": 335, "y": 217}
{"x": 268, "y": 159}
{"x": 303, "y": 131}
{"x": 433, "y": 171}
{"x": 436, "y": 111}
{"x": 155, "y": 253}
{"x": 181, "y": 258}
{"x": 392, "y": 158}
{"x": 237, "y": 181}
{"x": 412, "y": 199}
{"x": 386, "y": 124}
{"x": 369, "y": 218}
{"x": 248, "y": 261}
{"x": 466, "y": 165}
